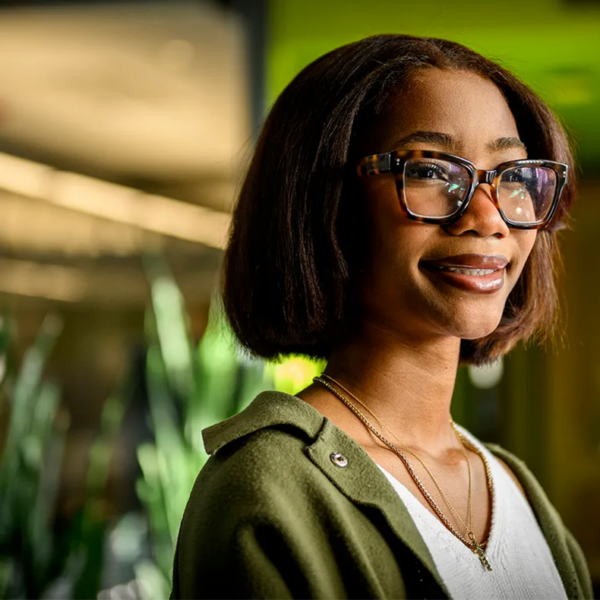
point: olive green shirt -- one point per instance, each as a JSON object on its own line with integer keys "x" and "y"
{"x": 272, "y": 515}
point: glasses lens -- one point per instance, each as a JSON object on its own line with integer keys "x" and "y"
{"x": 434, "y": 187}
{"x": 526, "y": 193}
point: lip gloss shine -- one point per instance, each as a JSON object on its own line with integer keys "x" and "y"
{"x": 476, "y": 273}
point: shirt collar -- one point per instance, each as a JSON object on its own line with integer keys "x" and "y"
{"x": 268, "y": 409}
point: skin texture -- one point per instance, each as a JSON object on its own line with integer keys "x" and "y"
{"x": 402, "y": 362}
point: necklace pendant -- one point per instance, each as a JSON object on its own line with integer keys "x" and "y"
{"x": 482, "y": 557}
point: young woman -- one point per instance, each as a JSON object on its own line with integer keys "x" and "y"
{"x": 398, "y": 218}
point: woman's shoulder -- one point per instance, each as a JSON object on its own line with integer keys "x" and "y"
{"x": 264, "y": 450}
{"x": 277, "y": 466}
{"x": 281, "y": 447}
{"x": 270, "y": 433}
{"x": 254, "y": 461}
{"x": 269, "y": 410}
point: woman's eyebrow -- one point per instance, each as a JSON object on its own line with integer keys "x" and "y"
{"x": 507, "y": 143}
{"x": 449, "y": 142}
{"x": 427, "y": 137}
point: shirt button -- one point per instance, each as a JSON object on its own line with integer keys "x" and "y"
{"x": 338, "y": 459}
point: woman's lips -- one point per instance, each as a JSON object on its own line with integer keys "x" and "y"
{"x": 471, "y": 272}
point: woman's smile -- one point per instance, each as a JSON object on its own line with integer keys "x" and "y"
{"x": 478, "y": 273}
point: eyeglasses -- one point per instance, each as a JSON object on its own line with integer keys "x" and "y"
{"x": 435, "y": 187}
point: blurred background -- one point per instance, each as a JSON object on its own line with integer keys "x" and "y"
{"x": 124, "y": 131}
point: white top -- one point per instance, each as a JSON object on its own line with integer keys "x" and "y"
{"x": 522, "y": 564}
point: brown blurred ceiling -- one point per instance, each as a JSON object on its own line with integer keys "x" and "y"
{"x": 151, "y": 96}
{"x": 150, "y": 91}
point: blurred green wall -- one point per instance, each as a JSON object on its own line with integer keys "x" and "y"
{"x": 553, "y": 46}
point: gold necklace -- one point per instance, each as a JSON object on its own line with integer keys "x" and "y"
{"x": 466, "y": 526}
{"x": 477, "y": 548}
{"x": 462, "y": 442}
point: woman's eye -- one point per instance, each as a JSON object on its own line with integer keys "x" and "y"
{"x": 426, "y": 171}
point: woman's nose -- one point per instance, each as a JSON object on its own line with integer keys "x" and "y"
{"x": 482, "y": 218}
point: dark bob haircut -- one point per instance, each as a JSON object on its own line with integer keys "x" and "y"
{"x": 291, "y": 266}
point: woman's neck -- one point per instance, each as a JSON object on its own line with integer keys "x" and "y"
{"x": 408, "y": 385}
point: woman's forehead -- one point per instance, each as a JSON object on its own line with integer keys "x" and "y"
{"x": 446, "y": 109}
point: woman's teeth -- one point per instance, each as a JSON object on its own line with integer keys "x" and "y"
{"x": 472, "y": 272}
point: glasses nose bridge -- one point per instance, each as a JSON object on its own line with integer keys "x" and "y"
{"x": 484, "y": 176}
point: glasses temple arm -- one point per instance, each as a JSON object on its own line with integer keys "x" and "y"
{"x": 375, "y": 164}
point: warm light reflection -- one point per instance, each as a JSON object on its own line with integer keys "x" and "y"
{"x": 114, "y": 202}
{"x": 36, "y": 280}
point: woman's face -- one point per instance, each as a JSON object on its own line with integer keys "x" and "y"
{"x": 464, "y": 114}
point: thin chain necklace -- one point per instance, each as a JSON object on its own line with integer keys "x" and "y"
{"x": 466, "y": 526}
{"x": 477, "y": 548}
{"x": 462, "y": 442}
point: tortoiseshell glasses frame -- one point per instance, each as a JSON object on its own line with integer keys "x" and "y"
{"x": 394, "y": 162}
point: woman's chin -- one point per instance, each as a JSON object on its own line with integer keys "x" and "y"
{"x": 474, "y": 329}
{"x": 476, "y": 333}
